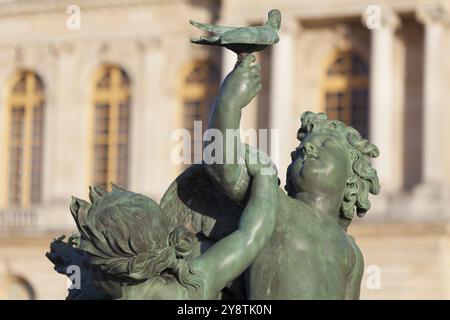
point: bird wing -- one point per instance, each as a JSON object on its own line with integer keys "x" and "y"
{"x": 211, "y": 27}
{"x": 250, "y": 35}
{"x": 193, "y": 197}
{"x": 207, "y": 40}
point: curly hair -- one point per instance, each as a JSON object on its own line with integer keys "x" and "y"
{"x": 129, "y": 237}
{"x": 363, "y": 179}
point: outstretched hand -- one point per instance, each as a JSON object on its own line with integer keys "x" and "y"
{"x": 242, "y": 84}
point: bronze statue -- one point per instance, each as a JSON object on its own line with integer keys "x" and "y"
{"x": 225, "y": 229}
{"x": 310, "y": 255}
{"x": 129, "y": 248}
{"x": 242, "y": 40}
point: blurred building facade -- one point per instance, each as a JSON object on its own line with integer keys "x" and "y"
{"x": 99, "y": 103}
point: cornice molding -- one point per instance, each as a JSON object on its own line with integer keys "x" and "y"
{"x": 29, "y": 7}
{"x": 434, "y": 14}
{"x": 388, "y": 18}
{"x": 290, "y": 25}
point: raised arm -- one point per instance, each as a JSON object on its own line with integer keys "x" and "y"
{"x": 231, "y": 256}
{"x": 237, "y": 90}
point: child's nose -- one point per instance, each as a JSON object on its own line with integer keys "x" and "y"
{"x": 309, "y": 147}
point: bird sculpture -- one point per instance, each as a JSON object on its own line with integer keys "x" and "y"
{"x": 242, "y": 40}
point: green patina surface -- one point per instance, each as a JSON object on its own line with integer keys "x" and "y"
{"x": 226, "y": 230}
{"x": 242, "y": 40}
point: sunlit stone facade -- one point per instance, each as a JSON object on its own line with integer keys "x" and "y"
{"x": 389, "y": 79}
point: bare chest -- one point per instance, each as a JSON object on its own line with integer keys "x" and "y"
{"x": 304, "y": 260}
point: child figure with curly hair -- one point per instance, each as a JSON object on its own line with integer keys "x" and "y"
{"x": 133, "y": 250}
{"x": 310, "y": 255}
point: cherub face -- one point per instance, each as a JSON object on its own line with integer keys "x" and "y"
{"x": 321, "y": 165}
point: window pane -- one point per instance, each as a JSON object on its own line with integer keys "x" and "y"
{"x": 360, "y": 116}
{"x": 123, "y": 119}
{"x": 339, "y": 66}
{"x": 39, "y": 85}
{"x": 26, "y": 151}
{"x": 199, "y": 74}
{"x": 20, "y": 86}
{"x": 359, "y": 67}
{"x": 335, "y": 106}
{"x": 101, "y": 165}
{"x": 122, "y": 154}
{"x": 16, "y": 155}
{"x": 105, "y": 80}
{"x": 203, "y": 80}
{"x": 112, "y": 116}
{"x": 102, "y": 119}
{"x": 347, "y": 100}
{"x": 122, "y": 165}
{"x": 125, "y": 81}
{"x": 36, "y": 154}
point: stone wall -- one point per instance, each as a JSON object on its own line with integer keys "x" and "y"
{"x": 406, "y": 233}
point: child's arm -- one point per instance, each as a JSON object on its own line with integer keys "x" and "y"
{"x": 237, "y": 90}
{"x": 231, "y": 256}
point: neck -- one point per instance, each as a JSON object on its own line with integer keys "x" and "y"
{"x": 325, "y": 206}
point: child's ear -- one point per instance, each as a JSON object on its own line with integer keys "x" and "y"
{"x": 350, "y": 196}
{"x": 182, "y": 240}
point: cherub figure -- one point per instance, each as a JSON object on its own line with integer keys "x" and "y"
{"x": 130, "y": 249}
{"x": 310, "y": 255}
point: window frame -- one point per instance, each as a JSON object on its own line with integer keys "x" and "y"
{"x": 346, "y": 83}
{"x": 113, "y": 96}
{"x": 33, "y": 98}
{"x": 196, "y": 91}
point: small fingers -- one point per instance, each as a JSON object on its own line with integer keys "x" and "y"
{"x": 248, "y": 60}
{"x": 259, "y": 87}
{"x": 256, "y": 68}
{"x": 255, "y": 77}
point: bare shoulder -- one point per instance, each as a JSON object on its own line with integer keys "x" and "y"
{"x": 356, "y": 250}
{"x": 356, "y": 272}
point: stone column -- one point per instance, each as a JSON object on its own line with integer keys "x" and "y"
{"x": 385, "y": 125}
{"x": 63, "y": 167}
{"x": 61, "y": 125}
{"x": 435, "y": 19}
{"x": 283, "y": 118}
{"x": 150, "y": 122}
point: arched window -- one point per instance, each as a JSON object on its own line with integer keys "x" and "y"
{"x": 111, "y": 127}
{"x": 198, "y": 88}
{"x": 346, "y": 91}
{"x": 25, "y": 120}
{"x": 16, "y": 288}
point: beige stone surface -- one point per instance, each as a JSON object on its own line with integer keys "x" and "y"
{"x": 24, "y": 257}
{"x": 406, "y": 233}
{"x": 412, "y": 259}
